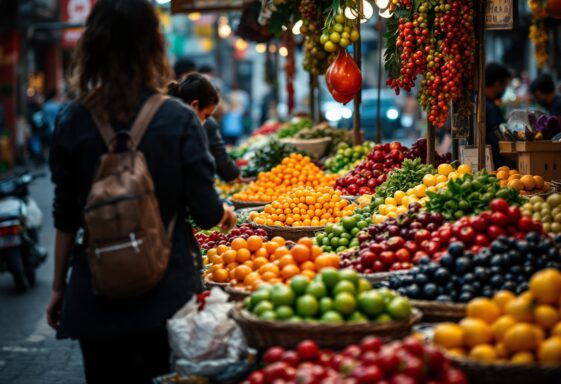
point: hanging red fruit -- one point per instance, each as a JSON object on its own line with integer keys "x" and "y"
{"x": 343, "y": 99}
{"x": 554, "y": 8}
{"x": 344, "y": 75}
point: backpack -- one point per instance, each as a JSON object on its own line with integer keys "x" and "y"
{"x": 127, "y": 246}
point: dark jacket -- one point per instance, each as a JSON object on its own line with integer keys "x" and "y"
{"x": 226, "y": 169}
{"x": 493, "y": 119}
{"x": 182, "y": 170}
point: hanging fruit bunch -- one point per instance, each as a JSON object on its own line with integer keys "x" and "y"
{"x": 539, "y": 33}
{"x": 316, "y": 59}
{"x": 436, "y": 40}
{"x": 340, "y": 31}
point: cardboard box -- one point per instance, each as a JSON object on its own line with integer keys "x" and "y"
{"x": 507, "y": 147}
{"x": 541, "y": 158}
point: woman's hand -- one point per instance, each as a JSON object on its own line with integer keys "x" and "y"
{"x": 53, "y": 308}
{"x": 229, "y": 219}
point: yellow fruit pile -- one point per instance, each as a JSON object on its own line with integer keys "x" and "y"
{"x": 305, "y": 207}
{"x": 520, "y": 330}
{"x": 399, "y": 203}
{"x": 523, "y": 183}
{"x": 249, "y": 263}
{"x": 294, "y": 171}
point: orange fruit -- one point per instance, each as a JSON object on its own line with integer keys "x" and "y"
{"x": 335, "y": 260}
{"x": 254, "y": 243}
{"x": 476, "y": 332}
{"x": 269, "y": 267}
{"x": 301, "y": 253}
{"x": 279, "y": 240}
{"x": 241, "y": 272}
{"x": 309, "y": 274}
{"x": 308, "y": 266}
{"x": 529, "y": 182}
{"x": 306, "y": 241}
{"x": 261, "y": 252}
{"x": 229, "y": 256}
{"x": 458, "y": 352}
{"x": 501, "y": 350}
{"x": 501, "y": 175}
{"x": 271, "y": 247}
{"x": 483, "y": 352}
{"x": 231, "y": 266}
{"x": 449, "y": 335}
{"x": 218, "y": 260}
{"x": 316, "y": 251}
{"x": 550, "y": 350}
{"x": 267, "y": 276}
{"x": 249, "y": 263}
{"x": 516, "y": 184}
{"x": 243, "y": 254}
{"x": 556, "y": 331}
{"x": 546, "y": 316}
{"x": 501, "y": 298}
{"x": 546, "y": 286}
{"x": 221, "y": 249}
{"x": 540, "y": 183}
{"x": 258, "y": 262}
{"x": 289, "y": 271}
{"x": 523, "y": 357}
{"x": 323, "y": 261}
{"x": 239, "y": 243}
{"x": 521, "y": 337}
{"x": 251, "y": 278}
{"x": 501, "y": 325}
{"x": 484, "y": 309}
{"x": 286, "y": 260}
{"x": 211, "y": 252}
{"x": 280, "y": 252}
{"x": 220, "y": 276}
{"x": 520, "y": 309}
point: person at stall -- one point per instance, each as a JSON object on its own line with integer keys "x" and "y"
{"x": 543, "y": 91}
{"x": 183, "y": 67}
{"x": 199, "y": 93}
{"x": 120, "y": 62}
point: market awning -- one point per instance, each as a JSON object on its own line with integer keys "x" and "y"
{"x": 189, "y": 6}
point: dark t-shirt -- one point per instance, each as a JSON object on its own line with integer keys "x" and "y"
{"x": 555, "y": 107}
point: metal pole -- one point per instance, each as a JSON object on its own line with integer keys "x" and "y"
{"x": 312, "y": 100}
{"x": 431, "y": 143}
{"x": 480, "y": 137}
{"x": 357, "y": 134}
{"x": 380, "y": 27}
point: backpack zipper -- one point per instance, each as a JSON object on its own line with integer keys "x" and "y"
{"x": 133, "y": 243}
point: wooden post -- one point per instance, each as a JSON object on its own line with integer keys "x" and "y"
{"x": 357, "y": 134}
{"x": 480, "y": 137}
{"x": 431, "y": 143}
{"x": 312, "y": 98}
{"x": 380, "y": 27}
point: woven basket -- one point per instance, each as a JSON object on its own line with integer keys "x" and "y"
{"x": 247, "y": 204}
{"x": 504, "y": 373}
{"x": 290, "y": 233}
{"x": 314, "y": 147}
{"x": 208, "y": 284}
{"x": 375, "y": 278}
{"x": 263, "y": 334}
{"x": 237, "y": 294}
{"x": 435, "y": 312}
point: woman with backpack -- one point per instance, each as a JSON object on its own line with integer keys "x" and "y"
{"x": 129, "y": 165}
{"x": 199, "y": 93}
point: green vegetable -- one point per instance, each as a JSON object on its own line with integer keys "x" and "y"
{"x": 408, "y": 176}
{"x": 291, "y": 129}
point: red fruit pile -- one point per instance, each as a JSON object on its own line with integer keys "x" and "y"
{"x": 401, "y": 362}
{"x": 216, "y": 238}
{"x": 267, "y": 129}
{"x": 364, "y": 179}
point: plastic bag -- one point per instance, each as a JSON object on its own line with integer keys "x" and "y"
{"x": 205, "y": 343}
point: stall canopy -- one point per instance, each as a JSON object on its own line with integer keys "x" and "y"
{"x": 186, "y": 6}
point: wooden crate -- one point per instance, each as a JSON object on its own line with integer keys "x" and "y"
{"x": 507, "y": 147}
{"x": 541, "y": 158}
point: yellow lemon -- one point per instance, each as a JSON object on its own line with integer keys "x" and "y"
{"x": 483, "y": 352}
{"x": 523, "y": 357}
{"x": 546, "y": 316}
{"x": 550, "y": 350}
{"x": 464, "y": 168}
{"x": 476, "y": 332}
{"x": 445, "y": 169}
{"x": 429, "y": 180}
{"x": 484, "y": 309}
{"x": 503, "y": 324}
{"x": 449, "y": 335}
{"x": 521, "y": 337}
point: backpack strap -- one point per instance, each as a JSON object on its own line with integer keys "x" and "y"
{"x": 145, "y": 117}
{"x": 105, "y": 130}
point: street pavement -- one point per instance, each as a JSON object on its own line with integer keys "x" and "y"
{"x": 29, "y": 352}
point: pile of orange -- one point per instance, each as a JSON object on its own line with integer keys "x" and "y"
{"x": 249, "y": 263}
{"x": 520, "y": 330}
{"x": 305, "y": 207}
{"x": 294, "y": 171}
{"x": 523, "y": 183}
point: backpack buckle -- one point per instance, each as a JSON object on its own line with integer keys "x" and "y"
{"x": 135, "y": 244}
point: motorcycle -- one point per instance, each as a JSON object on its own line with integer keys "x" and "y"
{"x": 20, "y": 222}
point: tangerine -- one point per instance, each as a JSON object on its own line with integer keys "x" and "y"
{"x": 289, "y": 271}
{"x": 523, "y": 357}
{"x": 546, "y": 316}
{"x": 550, "y": 350}
{"x": 243, "y": 254}
{"x": 301, "y": 253}
{"x": 484, "y": 309}
{"x": 220, "y": 275}
{"x": 476, "y": 332}
{"x": 483, "y": 352}
{"x": 239, "y": 243}
{"x": 521, "y": 337}
{"x": 545, "y": 286}
{"x": 502, "y": 298}
{"x": 254, "y": 243}
{"x": 241, "y": 272}
{"x": 449, "y": 335}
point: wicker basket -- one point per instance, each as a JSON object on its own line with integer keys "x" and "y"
{"x": 263, "y": 334}
{"x": 435, "y": 312}
{"x": 237, "y": 294}
{"x": 375, "y": 278}
{"x": 505, "y": 373}
{"x": 314, "y": 147}
{"x": 247, "y": 204}
{"x": 208, "y": 284}
{"x": 290, "y": 233}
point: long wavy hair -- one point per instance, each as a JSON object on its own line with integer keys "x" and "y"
{"x": 121, "y": 53}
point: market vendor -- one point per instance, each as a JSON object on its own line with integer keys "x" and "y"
{"x": 199, "y": 93}
{"x": 543, "y": 90}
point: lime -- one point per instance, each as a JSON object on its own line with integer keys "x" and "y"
{"x": 295, "y": 318}
{"x": 349, "y": 275}
{"x": 282, "y": 295}
{"x": 344, "y": 303}
{"x": 325, "y": 241}
{"x": 284, "y": 312}
{"x": 358, "y": 316}
{"x": 268, "y": 315}
{"x": 355, "y": 231}
{"x": 299, "y": 284}
{"x": 387, "y": 294}
{"x": 362, "y": 224}
{"x": 265, "y": 287}
{"x": 247, "y": 303}
{"x": 334, "y": 241}
{"x": 399, "y": 308}
{"x": 317, "y": 289}
{"x": 332, "y": 317}
{"x": 348, "y": 222}
{"x": 371, "y": 303}
{"x": 259, "y": 296}
{"x": 307, "y": 305}
{"x": 344, "y": 286}
{"x": 346, "y": 236}
{"x": 338, "y": 230}
{"x": 384, "y": 317}
{"x": 364, "y": 285}
{"x": 263, "y": 306}
{"x": 329, "y": 228}
{"x": 325, "y": 304}
{"x": 329, "y": 276}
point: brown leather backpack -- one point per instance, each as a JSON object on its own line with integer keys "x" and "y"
{"x": 127, "y": 245}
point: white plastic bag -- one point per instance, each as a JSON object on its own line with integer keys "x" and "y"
{"x": 206, "y": 342}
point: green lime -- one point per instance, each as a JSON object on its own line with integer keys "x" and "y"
{"x": 264, "y": 306}
{"x": 282, "y": 295}
{"x": 268, "y": 315}
{"x": 459, "y": 214}
{"x": 387, "y": 294}
{"x": 344, "y": 286}
{"x": 384, "y": 317}
{"x": 247, "y": 303}
{"x": 371, "y": 303}
{"x": 284, "y": 312}
{"x": 307, "y": 305}
{"x": 463, "y": 205}
{"x": 329, "y": 228}
{"x": 334, "y": 242}
{"x": 259, "y": 296}
{"x": 344, "y": 303}
{"x": 451, "y": 205}
{"x": 358, "y": 317}
{"x": 299, "y": 284}
{"x": 325, "y": 241}
{"x": 296, "y": 318}
{"x": 399, "y": 308}
{"x": 338, "y": 230}
{"x": 362, "y": 224}
{"x": 330, "y": 277}
{"x": 355, "y": 231}
{"x": 317, "y": 289}
{"x": 343, "y": 242}
{"x": 325, "y": 304}
{"x": 349, "y": 275}
{"x": 332, "y": 317}
{"x": 346, "y": 236}
{"x": 348, "y": 222}
{"x": 364, "y": 285}
{"x": 265, "y": 287}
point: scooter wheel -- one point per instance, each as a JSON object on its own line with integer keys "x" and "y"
{"x": 15, "y": 266}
